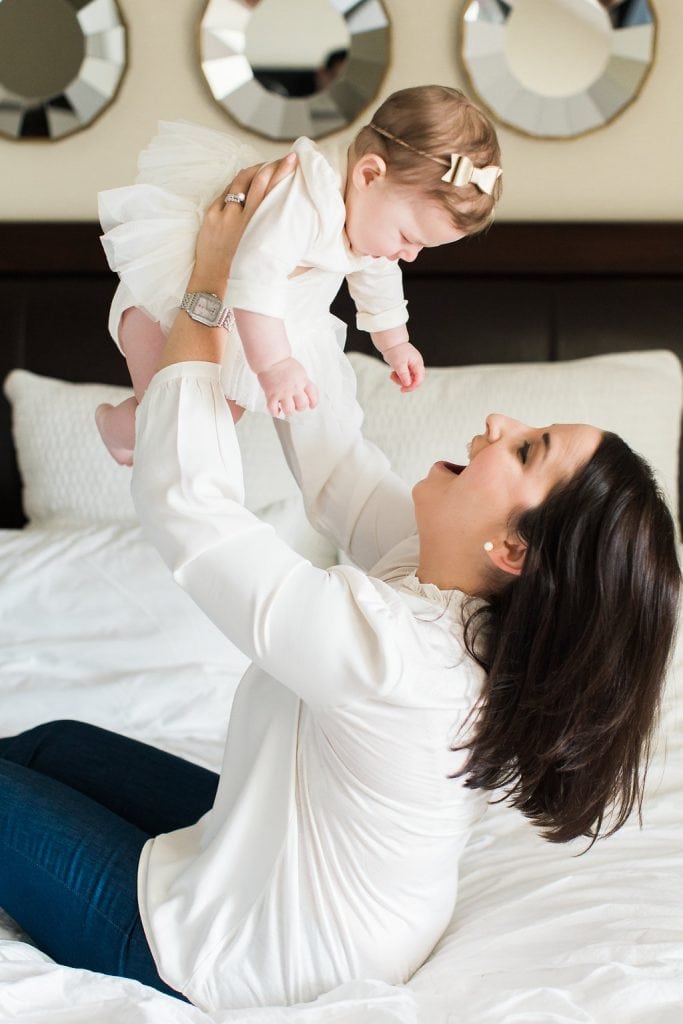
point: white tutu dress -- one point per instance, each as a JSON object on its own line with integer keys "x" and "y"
{"x": 289, "y": 265}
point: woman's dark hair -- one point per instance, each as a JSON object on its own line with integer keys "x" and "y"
{"x": 576, "y": 650}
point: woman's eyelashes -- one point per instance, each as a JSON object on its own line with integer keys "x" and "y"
{"x": 523, "y": 452}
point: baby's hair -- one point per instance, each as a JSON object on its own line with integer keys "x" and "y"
{"x": 431, "y": 122}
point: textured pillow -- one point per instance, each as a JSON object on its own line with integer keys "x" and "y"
{"x": 66, "y": 471}
{"x": 69, "y": 476}
{"x": 634, "y": 394}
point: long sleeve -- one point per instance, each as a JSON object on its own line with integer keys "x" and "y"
{"x": 331, "y": 637}
{"x": 350, "y": 492}
{"x": 377, "y": 291}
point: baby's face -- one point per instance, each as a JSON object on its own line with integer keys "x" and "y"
{"x": 395, "y": 221}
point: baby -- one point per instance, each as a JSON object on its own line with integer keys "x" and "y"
{"x": 423, "y": 172}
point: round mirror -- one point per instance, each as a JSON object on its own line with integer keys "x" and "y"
{"x": 282, "y": 82}
{"x": 557, "y": 68}
{"x": 303, "y": 65}
{"x": 61, "y": 62}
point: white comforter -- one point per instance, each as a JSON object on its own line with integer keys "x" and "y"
{"x": 92, "y": 627}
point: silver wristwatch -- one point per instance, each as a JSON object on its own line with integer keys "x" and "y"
{"x": 207, "y": 308}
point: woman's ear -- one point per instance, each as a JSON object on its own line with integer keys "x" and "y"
{"x": 367, "y": 170}
{"x": 508, "y": 555}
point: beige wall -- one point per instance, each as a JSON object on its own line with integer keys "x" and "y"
{"x": 631, "y": 170}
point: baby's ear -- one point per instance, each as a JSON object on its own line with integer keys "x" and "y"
{"x": 368, "y": 169}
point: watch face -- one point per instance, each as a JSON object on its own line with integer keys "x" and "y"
{"x": 207, "y": 306}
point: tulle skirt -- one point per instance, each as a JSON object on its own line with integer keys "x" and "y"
{"x": 150, "y": 230}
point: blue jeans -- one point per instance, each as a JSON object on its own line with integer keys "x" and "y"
{"x": 77, "y": 804}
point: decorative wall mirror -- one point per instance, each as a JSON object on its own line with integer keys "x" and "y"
{"x": 284, "y": 68}
{"x": 61, "y": 62}
{"x": 557, "y": 68}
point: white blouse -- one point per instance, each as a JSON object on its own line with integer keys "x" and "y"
{"x": 331, "y": 852}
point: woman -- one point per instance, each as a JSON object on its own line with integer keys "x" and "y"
{"x": 509, "y": 624}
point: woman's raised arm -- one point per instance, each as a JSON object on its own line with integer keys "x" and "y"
{"x": 349, "y": 490}
{"x": 331, "y": 637}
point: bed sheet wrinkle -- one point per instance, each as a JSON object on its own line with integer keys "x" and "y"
{"x": 91, "y": 626}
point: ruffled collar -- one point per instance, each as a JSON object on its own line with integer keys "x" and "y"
{"x": 429, "y": 591}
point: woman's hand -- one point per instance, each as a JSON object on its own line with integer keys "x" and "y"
{"x": 225, "y": 223}
{"x": 217, "y": 242}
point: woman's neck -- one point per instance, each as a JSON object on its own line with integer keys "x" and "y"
{"x": 446, "y": 577}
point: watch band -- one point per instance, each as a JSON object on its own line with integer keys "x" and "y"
{"x": 227, "y": 319}
{"x": 223, "y": 317}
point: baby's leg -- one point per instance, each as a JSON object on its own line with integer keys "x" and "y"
{"x": 142, "y": 342}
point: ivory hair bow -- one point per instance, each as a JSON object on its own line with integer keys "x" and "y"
{"x": 462, "y": 171}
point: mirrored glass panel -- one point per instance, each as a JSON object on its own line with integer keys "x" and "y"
{"x": 557, "y": 68}
{"x": 61, "y": 63}
{"x": 284, "y": 68}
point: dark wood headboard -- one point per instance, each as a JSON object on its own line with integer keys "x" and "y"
{"x": 522, "y": 292}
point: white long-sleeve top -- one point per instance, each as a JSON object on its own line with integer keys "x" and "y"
{"x": 331, "y": 852}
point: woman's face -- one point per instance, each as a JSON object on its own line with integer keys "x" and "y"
{"x": 512, "y": 467}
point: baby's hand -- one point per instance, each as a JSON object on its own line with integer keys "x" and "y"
{"x": 407, "y": 364}
{"x": 287, "y": 388}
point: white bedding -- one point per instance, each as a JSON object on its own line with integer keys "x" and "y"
{"x": 92, "y": 627}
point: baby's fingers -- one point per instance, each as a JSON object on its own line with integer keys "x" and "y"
{"x": 273, "y": 407}
{"x": 410, "y": 386}
{"x": 307, "y": 398}
{"x": 287, "y": 405}
{"x": 416, "y": 371}
{"x": 402, "y": 376}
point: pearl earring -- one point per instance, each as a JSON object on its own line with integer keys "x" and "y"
{"x": 488, "y": 546}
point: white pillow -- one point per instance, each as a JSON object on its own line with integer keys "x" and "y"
{"x": 69, "y": 476}
{"x": 635, "y": 394}
{"x": 66, "y": 471}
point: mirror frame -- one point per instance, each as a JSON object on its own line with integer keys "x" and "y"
{"x": 105, "y": 49}
{"x": 231, "y": 83}
{"x": 497, "y": 14}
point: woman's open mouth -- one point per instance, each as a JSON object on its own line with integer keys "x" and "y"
{"x": 453, "y": 468}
